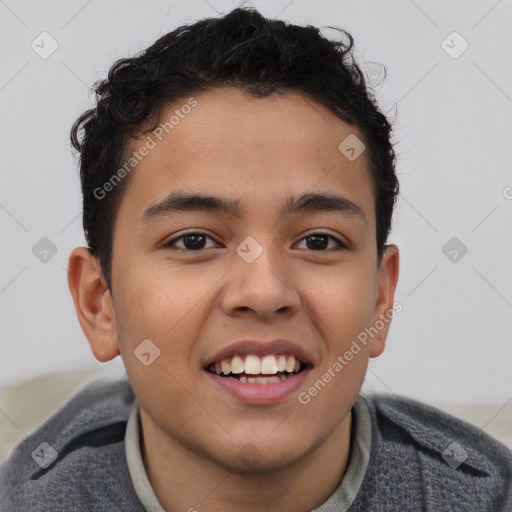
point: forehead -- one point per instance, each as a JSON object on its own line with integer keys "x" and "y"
{"x": 258, "y": 149}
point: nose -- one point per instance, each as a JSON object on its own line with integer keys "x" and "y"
{"x": 263, "y": 286}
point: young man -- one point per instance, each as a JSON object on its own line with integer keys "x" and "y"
{"x": 238, "y": 183}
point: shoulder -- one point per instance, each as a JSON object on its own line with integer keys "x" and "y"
{"x": 441, "y": 458}
{"x": 78, "y": 448}
{"x": 433, "y": 428}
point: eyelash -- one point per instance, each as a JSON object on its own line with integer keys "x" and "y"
{"x": 170, "y": 244}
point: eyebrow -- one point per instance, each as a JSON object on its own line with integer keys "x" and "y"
{"x": 306, "y": 203}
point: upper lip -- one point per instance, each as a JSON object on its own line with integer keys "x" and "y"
{"x": 260, "y": 348}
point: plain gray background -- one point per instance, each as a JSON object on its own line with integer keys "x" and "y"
{"x": 452, "y": 339}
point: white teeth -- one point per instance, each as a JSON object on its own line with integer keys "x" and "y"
{"x": 262, "y": 380}
{"x": 226, "y": 367}
{"x": 255, "y": 365}
{"x": 269, "y": 365}
{"x": 252, "y": 365}
{"x": 237, "y": 365}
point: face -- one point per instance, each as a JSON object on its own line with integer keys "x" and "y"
{"x": 212, "y": 288}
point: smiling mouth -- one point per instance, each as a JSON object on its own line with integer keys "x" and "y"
{"x": 253, "y": 369}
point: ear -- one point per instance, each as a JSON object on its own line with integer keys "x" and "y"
{"x": 93, "y": 304}
{"x": 387, "y": 277}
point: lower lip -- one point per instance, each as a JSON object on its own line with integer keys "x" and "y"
{"x": 269, "y": 393}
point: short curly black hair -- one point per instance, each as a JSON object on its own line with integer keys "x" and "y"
{"x": 242, "y": 49}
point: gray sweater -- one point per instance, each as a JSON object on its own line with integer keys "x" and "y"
{"x": 419, "y": 459}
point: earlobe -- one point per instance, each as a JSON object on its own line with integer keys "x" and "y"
{"x": 387, "y": 278}
{"x": 93, "y": 304}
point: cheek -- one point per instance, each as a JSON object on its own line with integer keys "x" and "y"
{"x": 154, "y": 297}
{"x": 169, "y": 308}
{"x": 343, "y": 306}
{"x": 164, "y": 312}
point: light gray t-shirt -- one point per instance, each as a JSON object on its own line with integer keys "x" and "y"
{"x": 339, "y": 501}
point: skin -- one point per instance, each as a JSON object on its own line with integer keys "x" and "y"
{"x": 191, "y": 304}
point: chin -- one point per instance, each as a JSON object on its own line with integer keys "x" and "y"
{"x": 262, "y": 466}
{"x": 257, "y": 459}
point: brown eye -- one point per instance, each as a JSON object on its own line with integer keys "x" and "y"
{"x": 191, "y": 242}
{"x": 320, "y": 241}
